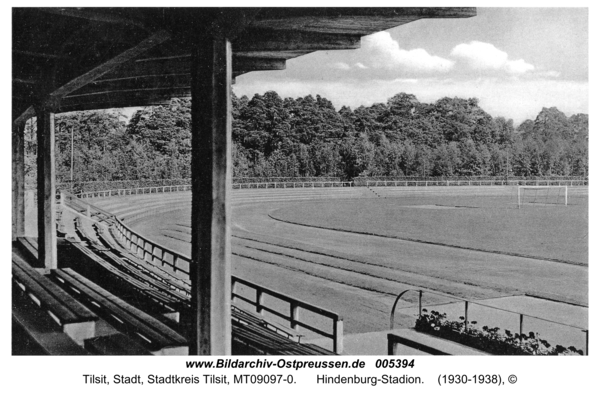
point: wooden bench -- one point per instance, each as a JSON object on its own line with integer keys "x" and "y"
{"x": 253, "y": 335}
{"x": 148, "y": 331}
{"x": 125, "y": 286}
{"x": 84, "y": 235}
{"x": 77, "y": 321}
{"x": 147, "y": 277}
{"x": 413, "y": 340}
{"x": 254, "y": 340}
{"x": 248, "y": 317}
{"x": 34, "y": 332}
{"x": 115, "y": 345}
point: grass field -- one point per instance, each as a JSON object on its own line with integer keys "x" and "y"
{"x": 553, "y": 232}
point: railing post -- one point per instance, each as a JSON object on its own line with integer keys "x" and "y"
{"x": 338, "y": 336}
{"x": 420, "y": 302}
{"x": 233, "y": 289}
{"x": 520, "y": 325}
{"x": 392, "y": 345}
{"x": 157, "y": 254}
{"x": 587, "y": 342}
{"x": 294, "y": 315}
{"x": 260, "y": 298}
{"x": 466, "y": 315}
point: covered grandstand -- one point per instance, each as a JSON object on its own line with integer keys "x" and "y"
{"x": 76, "y": 290}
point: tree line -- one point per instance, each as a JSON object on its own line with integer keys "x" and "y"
{"x": 308, "y": 137}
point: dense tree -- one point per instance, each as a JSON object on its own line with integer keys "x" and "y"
{"x": 306, "y": 136}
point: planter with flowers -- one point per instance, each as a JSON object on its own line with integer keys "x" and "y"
{"x": 487, "y": 339}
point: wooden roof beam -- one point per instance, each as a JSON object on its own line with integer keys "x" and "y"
{"x": 101, "y": 99}
{"x": 38, "y": 54}
{"x": 141, "y": 83}
{"x": 251, "y": 63}
{"x": 93, "y": 14}
{"x": 172, "y": 66}
{"x": 134, "y": 102}
{"x": 265, "y": 40}
{"x": 97, "y": 72}
{"x": 141, "y": 67}
{"x": 357, "y": 20}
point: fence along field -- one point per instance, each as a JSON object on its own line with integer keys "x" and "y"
{"x": 420, "y": 202}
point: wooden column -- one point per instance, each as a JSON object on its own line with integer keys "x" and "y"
{"x": 18, "y": 180}
{"x": 46, "y": 188}
{"x": 211, "y": 180}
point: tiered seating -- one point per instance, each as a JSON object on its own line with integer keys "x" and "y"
{"x": 135, "y": 295}
{"x": 74, "y": 319}
{"x": 147, "y": 271}
{"x": 148, "y": 331}
{"x": 252, "y": 336}
{"x": 132, "y": 290}
{"x": 115, "y": 345}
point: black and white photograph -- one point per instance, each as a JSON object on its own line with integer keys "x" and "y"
{"x": 300, "y": 181}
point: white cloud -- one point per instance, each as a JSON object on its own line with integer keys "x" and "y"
{"x": 361, "y": 66}
{"x": 384, "y": 52}
{"x": 340, "y": 66}
{"x": 482, "y": 56}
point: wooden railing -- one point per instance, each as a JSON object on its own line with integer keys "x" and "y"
{"x": 159, "y": 255}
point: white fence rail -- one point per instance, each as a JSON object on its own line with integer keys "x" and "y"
{"x": 482, "y": 182}
{"x": 329, "y": 184}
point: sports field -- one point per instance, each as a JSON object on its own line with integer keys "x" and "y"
{"x": 352, "y": 250}
{"x": 551, "y": 231}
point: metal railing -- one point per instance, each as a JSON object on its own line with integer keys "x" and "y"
{"x": 585, "y": 331}
{"x": 295, "y": 306}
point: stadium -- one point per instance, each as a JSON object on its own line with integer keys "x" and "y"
{"x": 216, "y": 265}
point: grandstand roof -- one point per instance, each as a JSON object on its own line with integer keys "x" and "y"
{"x": 94, "y": 58}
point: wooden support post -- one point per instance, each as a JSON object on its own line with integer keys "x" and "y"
{"x": 18, "y": 180}
{"x": 46, "y": 188}
{"x": 210, "y": 271}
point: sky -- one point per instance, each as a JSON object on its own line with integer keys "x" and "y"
{"x": 514, "y": 60}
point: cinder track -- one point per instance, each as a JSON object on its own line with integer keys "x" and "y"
{"x": 355, "y": 275}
